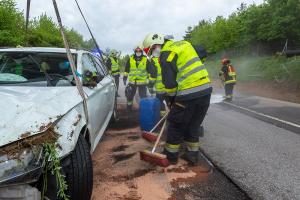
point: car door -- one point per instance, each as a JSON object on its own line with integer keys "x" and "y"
{"x": 109, "y": 87}
{"x": 95, "y": 100}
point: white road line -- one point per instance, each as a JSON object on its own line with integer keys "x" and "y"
{"x": 264, "y": 115}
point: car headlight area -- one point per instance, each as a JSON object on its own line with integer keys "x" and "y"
{"x": 17, "y": 170}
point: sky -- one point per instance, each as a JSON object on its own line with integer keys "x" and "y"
{"x": 123, "y": 24}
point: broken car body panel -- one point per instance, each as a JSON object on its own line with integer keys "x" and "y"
{"x": 31, "y": 110}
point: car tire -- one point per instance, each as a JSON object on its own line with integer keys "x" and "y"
{"x": 80, "y": 173}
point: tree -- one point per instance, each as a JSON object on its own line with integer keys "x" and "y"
{"x": 11, "y": 24}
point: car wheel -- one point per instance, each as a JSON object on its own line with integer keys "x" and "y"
{"x": 80, "y": 173}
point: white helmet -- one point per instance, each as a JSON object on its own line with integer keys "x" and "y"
{"x": 152, "y": 39}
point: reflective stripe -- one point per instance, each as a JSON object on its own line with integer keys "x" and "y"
{"x": 192, "y": 146}
{"x": 171, "y": 56}
{"x": 137, "y": 75}
{"x": 230, "y": 81}
{"x": 172, "y": 148}
{"x": 151, "y": 79}
{"x": 189, "y": 63}
{"x": 138, "y": 83}
{"x": 160, "y": 92}
{"x": 193, "y": 90}
{"x": 195, "y": 70}
{"x": 171, "y": 94}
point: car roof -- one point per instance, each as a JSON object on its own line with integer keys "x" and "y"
{"x": 39, "y": 49}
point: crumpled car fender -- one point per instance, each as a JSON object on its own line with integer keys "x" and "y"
{"x": 69, "y": 127}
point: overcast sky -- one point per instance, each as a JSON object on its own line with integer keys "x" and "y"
{"x": 122, "y": 24}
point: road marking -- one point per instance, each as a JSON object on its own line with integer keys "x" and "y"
{"x": 264, "y": 115}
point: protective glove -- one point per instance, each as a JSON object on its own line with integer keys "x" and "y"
{"x": 150, "y": 87}
{"x": 151, "y": 84}
{"x": 124, "y": 79}
{"x": 170, "y": 101}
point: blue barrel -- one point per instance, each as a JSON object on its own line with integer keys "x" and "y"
{"x": 149, "y": 113}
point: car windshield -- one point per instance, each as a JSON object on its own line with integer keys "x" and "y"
{"x": 35, "y": 69}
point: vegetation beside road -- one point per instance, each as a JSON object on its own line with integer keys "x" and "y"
{"x": 251, "y": 37}
{"x": 42, "y": 31}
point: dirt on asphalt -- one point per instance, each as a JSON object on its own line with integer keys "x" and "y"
{"x": 120, "y": 174}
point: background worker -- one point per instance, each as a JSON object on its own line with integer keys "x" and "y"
{"x": 159, "y": 86}
{"x": 228, "y": 76}
{"x": 139, "y": 70}
{"x": 114, "y": 67}
{"x": 188, "y": 90}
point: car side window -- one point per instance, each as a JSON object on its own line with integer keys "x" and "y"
{"x": 101, "y": 68}
{"x": 88, "y": 64}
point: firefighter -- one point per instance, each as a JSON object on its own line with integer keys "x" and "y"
{"x": 139, "y": 69}
{"x": 113, "y": 66}
{"x": 159, "y": 86}
{"x": 188, "y": 91}
{"x": 228, "y": 76}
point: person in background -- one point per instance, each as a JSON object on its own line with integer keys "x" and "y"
{"x": 113, "y": 66}
{"x": 139, "y": 69}
{"x": 160, "y": 90}
{"x": 228, "y": 76}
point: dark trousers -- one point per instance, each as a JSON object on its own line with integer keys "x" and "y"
{"x": 117, "y": 78}
{"x": 229, "y": 89}
{"x": 161, "y": 98}
{"x": 142, "y": 92}
{"x": 184, "y": 121}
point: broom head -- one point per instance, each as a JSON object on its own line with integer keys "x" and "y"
{"x": 150, "y": 137}
{"x": 154, "y": 158}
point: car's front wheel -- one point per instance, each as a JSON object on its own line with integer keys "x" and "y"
{"x": 79, "y": 175}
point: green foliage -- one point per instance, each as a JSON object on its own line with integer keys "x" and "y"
{"x": 11, "y": 24}
{"x": 42, "y": 31}
{"x": 270, "y": 23}
{"x": 52, "y": 164}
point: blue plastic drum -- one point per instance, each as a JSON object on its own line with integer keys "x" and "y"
{"x": 149, "y": 113}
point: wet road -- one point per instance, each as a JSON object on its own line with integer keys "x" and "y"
{"x": 262, "y": 158}
{"x": 253, "y": 157}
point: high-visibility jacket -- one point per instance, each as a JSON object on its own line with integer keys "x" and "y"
{"x": 192, "y": 76}
{"x": 159, "y": 86}
{"x": 115, "y": 67}
{"x": 138, "y": 72}
{"x": 231, "y": 75}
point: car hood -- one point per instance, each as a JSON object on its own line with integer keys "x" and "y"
{"x": 26, "y": 111}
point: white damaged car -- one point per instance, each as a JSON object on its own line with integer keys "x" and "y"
{"x": 39, "y": 103}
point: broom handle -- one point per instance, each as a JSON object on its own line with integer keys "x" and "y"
{"x": 158, "y": 123}
{"x": 159, "y": 136}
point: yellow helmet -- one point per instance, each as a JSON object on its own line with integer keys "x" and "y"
{"x": 152, "y": 39}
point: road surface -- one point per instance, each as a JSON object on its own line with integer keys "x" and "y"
{"x": 252, "y": 142}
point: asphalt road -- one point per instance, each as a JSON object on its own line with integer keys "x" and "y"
{"x": 263, "y": 159}
{"x": 244, "y": 139}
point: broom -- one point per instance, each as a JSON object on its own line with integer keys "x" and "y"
{"x": 152, "y": 156}
{"x": 149, "y": 135}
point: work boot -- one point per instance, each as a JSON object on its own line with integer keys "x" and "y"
{"x": 172, "y": 157}
{"x": 191, "y": 157}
